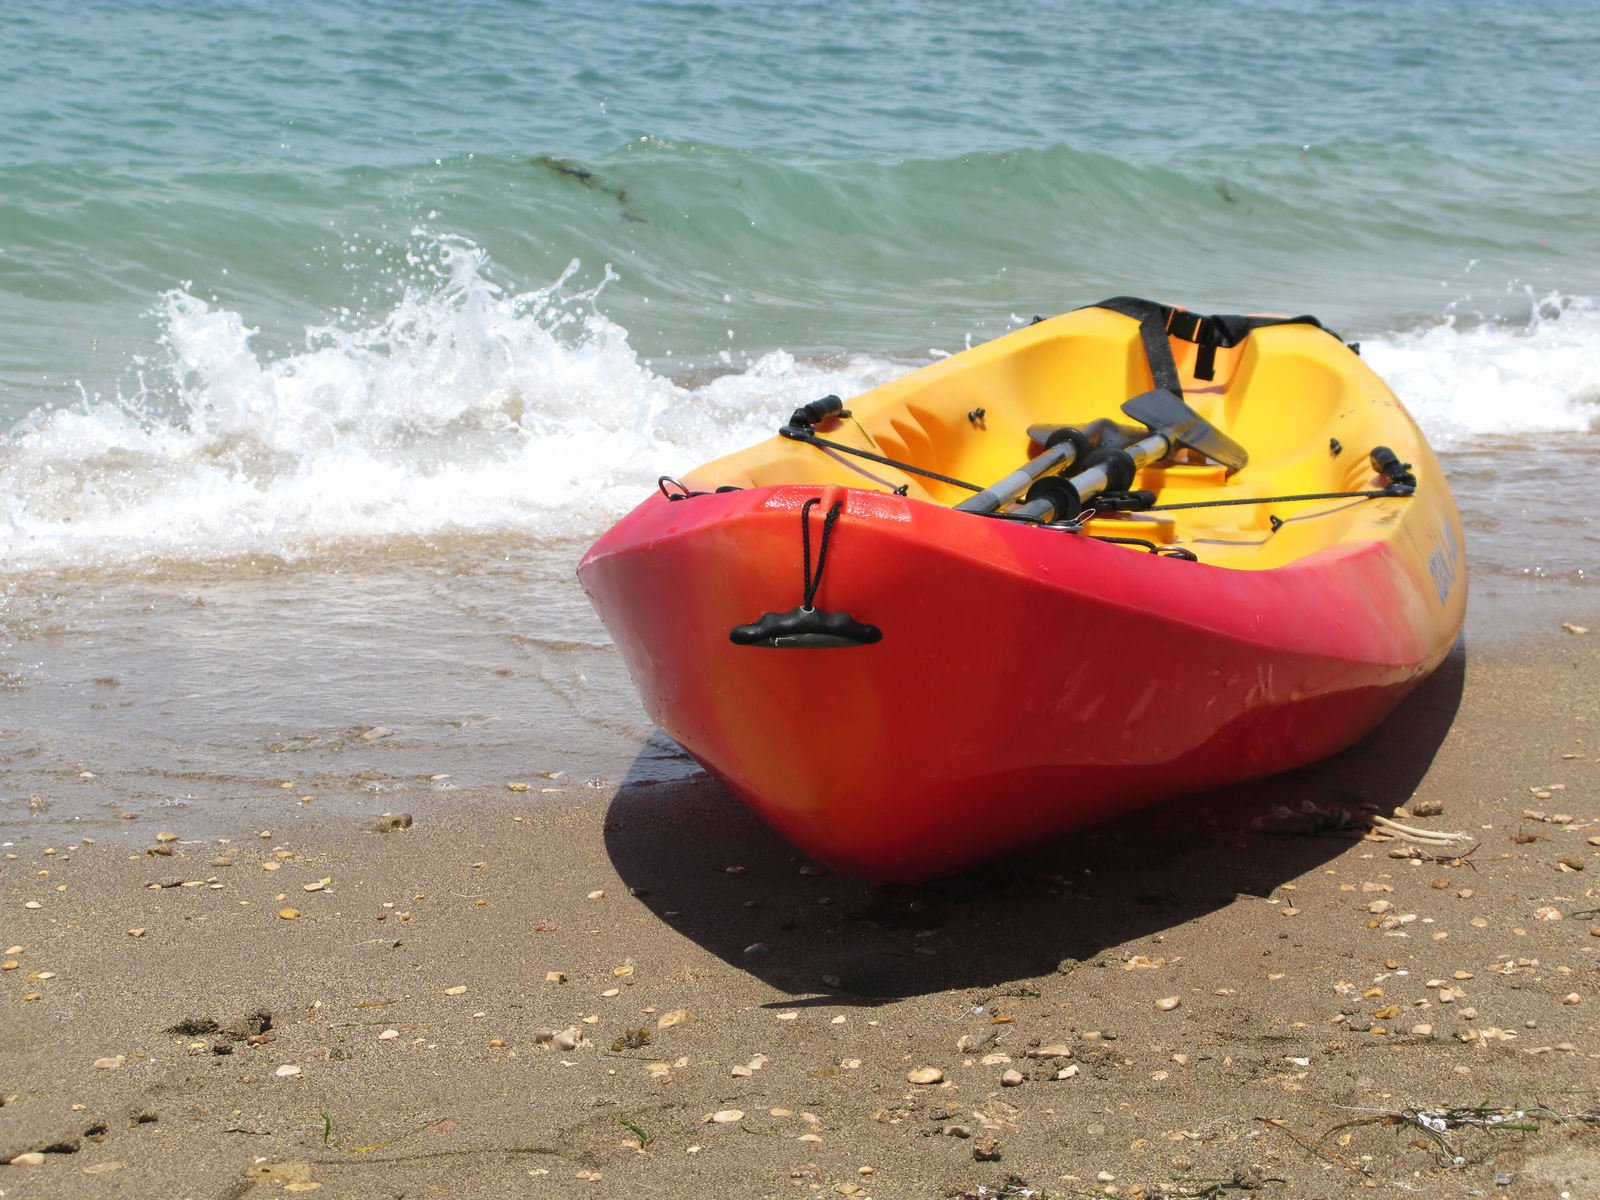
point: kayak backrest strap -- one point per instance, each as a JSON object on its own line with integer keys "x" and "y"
{"x": 1158, "y": 322}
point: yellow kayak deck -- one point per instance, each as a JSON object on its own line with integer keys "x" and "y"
{"x": 1303, "y": 404}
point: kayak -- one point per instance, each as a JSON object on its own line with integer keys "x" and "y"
{"x": 1110, "y": 558}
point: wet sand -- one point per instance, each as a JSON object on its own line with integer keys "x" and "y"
{"x": 639, "y": 991}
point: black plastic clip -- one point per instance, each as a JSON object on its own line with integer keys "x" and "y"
{"x": 1124, "y": 501}
{"x": 1387, "y": 464}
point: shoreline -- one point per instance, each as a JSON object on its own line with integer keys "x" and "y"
{"x": 1303, "y": 969}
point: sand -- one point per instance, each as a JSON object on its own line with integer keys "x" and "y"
{"x": 643, "y": 992}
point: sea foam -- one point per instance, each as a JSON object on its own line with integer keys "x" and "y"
{"x": 467, "y": 407}
{"x": 1464, "y": 381}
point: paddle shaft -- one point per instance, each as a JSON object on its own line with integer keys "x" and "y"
{"x": 1056, "y": 458}
{"x": 1080, "y": 488}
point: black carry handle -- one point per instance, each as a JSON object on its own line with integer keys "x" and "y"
{"x": 805, "y": 629}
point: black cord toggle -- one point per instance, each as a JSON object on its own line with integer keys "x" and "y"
{"x": 807, "y": 627}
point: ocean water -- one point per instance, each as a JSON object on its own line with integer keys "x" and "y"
{"x": 330, "y": 334}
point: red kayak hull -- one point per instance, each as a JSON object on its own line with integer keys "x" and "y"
{"x": 1029, "y": 681}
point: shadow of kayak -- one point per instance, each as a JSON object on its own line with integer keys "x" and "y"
{"x": 719, "y": 876}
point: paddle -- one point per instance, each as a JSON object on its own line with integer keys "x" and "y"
{"x": 1171, "y": 423}
{"x": 1064, "y": 445}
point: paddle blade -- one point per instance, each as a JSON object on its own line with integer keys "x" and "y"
{"x": 1047, "y": 435}
{"x": 1174, "y": 420}
{"x": 1100, "y": 432}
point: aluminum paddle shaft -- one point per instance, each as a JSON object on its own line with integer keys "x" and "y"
{"x": 1063, "y": 499}
{"x": 1064, "y": 445}
{"x": 1171, "y": 423}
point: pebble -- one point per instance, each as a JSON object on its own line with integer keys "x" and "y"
{"x": 597, "y": 894}
{"x": 1427, "y": 808}
{"x": 459, "y": 990}
{"x": 923, "y": 1076}
{"x": 28, "y": 1158}
{"x": 1422, "y": 1030}
{"x": 389, "y": 1035}
{"x": 1573, "y": 862}
{"x": 567, "y": 1039}
{"x": 678, "y": 1016}
{"x": 1572, "y": 998}
{"x": 111, "y": 1063}
{"x": 1011, "y": 1078}
{"x": 289, "y": 914}
{"x": 727, "y": 1116}
{"x": 392, "y": 823}
{"x": 287, "y": 1071}
{"x": 1168, "y": 1003}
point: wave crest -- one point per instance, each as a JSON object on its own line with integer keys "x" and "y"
{"x": 465, "y": 408}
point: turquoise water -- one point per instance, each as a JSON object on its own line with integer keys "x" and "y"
{"x": 330, "y": 333}
{"x": 269, "y": 255}
{"x": 865, "y": 178}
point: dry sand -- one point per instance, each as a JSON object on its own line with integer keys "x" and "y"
{"x": 1174, "y": 1005}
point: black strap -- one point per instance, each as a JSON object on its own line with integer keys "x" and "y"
{"x": 1154, "y": 320}
{"x": 1158, "y": 322}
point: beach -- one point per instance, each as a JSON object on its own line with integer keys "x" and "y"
{"x": 638, "y": 990}
{"x": 332, "y": 336}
